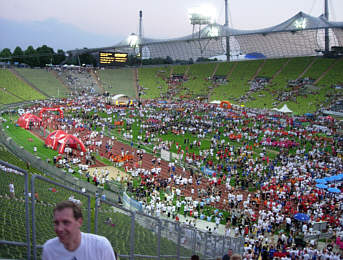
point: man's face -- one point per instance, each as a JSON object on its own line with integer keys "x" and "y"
{"x": 67, "y": 228}
{"x": 229, "y": 252}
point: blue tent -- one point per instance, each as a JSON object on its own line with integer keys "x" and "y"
{"x": 323, "y": 181}
{"x": 321, "y": 186}
{"x": 255, "y": 55}
{"x": 301, "y": 217}
{"x": 334, "y": 190}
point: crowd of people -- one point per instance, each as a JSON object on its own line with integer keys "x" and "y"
{"x": 255, "y": 169}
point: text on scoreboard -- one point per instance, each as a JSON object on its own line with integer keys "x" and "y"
{"x": 112, "y": 58}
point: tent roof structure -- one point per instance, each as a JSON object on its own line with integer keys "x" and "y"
{"x": 300, "y": 35}
{"x": 300, "y": 21}
{"x": 119, "y": 96}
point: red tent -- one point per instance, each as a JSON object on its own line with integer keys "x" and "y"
{"x": 51, "y": 109}
{"x": 52, "y": 139}
{"x": 63, "y": 139}
{"x": 70, "y": 141}
{"x": 25, "y": 119}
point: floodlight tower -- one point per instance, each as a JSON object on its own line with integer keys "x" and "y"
{"x": 203, "y": 15}
{"x": 140, "y": 39}
{"x": 227, "y": 32}
{"x": 326, "y": 15}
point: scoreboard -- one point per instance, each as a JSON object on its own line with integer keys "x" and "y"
{"x": 112, "y": 58}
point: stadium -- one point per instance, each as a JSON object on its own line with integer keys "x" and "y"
{"x": 221, "y": 140}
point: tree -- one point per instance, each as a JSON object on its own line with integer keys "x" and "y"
{"x": 30, "y": 57}
{"x": 87, "y": 58}
{"x": 18, "y": 55}
{"x": 132, "y": 60}
{"x": 45, "y": 54}
{"x": 59, "y": 57}
{"x": 6, "y": 53}
{"x": 169, "y": 60}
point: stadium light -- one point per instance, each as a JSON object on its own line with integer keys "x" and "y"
{"x": 213, "y": 31}
{"x": 300, "y": 24}
{"x": 204, "y": 14}
{"x": 133, "y": 40}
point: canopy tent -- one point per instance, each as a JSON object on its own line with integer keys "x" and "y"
{"x": 51, "y": 109}
{"x": 334, "y": 190}
{"x": 301, "y": 217}
{"x": 25, "y": 120}
{"x": 70, "y": 141}
{"x": 120, "y": 99}
{"x": 284, "y": 109}
{"x": 255, "y": 55}
{"x": 52, "y": 139}
{"x": 321, "y": 186}
{"x": 63, "y": 139}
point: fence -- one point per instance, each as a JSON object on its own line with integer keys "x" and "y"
{"x": 133, "y": 235}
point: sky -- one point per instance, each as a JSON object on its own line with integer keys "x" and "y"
{"x": 110, "y": 21}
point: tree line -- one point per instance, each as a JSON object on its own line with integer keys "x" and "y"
{"x": 32, "y": 57}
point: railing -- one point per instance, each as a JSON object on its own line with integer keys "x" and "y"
{"x": 165, "y": 238}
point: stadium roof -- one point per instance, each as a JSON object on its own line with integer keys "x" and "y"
{"x": 301, "y": 35}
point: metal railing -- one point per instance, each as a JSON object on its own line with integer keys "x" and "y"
{"x": 164, "y": 238}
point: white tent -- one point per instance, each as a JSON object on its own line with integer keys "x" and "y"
{"x": 284, "y": 109}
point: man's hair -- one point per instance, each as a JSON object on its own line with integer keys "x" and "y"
{"x": 71, "y": 205}
{"x": 195, "y": 257}
{"x": 236, "y": 257}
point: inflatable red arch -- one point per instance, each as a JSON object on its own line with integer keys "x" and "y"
{"x": 225, "y": 104}
{"x": 25, "y": 119}
{"x": 60, "y": 137}
{"x": 51, "y": 109}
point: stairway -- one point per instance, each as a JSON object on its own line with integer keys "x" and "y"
{"x": 307, "y": 68}
{"x": 281, "y": 69}
{"x": 327, "y": 71}
{"x": 231, "y": 71}
{"x": 215, "y": 70}
{"x": 258, "y": 70}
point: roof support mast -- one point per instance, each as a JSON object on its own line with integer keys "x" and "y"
{"x": 327, "y": 40}
{"x": 140, "y": 36}
{"x": 227, "y": 37}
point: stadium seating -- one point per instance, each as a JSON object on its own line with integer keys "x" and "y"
{"x": 118, "y": 81}
{"x": 198, "y": 82}
{"x": 16, "y": 90}
{"x": 333, "y": 76}
{"x": 153, "y": 81}
{"x": 237, "y": 82}
{"x": 45, "y": 81}
{"x": 224, "y": 68}
{"x": 79, "y": 80}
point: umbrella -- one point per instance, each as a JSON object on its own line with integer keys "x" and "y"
{"x": 301, "y": 217}
{"x": 321, "y": 186}
{"x": 321, "y": 181}
{"x": 334, "y": 190}
{"x": 331, "y": 178}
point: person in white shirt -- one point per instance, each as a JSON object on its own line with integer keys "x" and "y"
{"x": 70, "y": 242}
{"x": 11, "y": 187}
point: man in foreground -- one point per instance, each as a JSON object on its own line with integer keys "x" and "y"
{"x": 71, "y": 243}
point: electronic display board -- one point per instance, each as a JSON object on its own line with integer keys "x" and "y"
{"x": 112, "y": 58}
